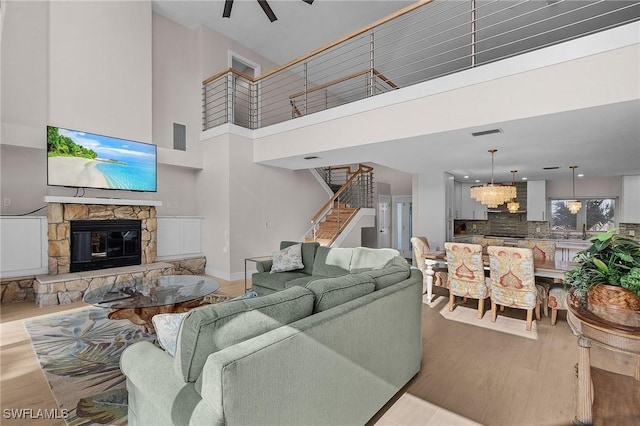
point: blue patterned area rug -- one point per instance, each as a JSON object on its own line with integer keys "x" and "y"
{"x": 79, "y": 353}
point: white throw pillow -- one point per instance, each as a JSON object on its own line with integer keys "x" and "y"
{"x": 287, "y": 259}
{"x": 167, "y": 327}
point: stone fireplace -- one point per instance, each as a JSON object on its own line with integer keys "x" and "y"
{"x": 60, "y": 215}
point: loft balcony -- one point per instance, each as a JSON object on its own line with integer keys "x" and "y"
{"x": 425, "y": 41}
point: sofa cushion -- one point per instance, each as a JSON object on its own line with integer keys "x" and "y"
{"x": 395, "y": 270}
{"x": 302, "y": 281}
{"x": 365, "y": 258}
{"x": 287, "y": 259}
{"x": 332, "y": 262}
{"x": 308, "y": 254}
{"x": 275, "y": 281}
{"x": 211, "y": 328}
{"x": 330, "y": 292}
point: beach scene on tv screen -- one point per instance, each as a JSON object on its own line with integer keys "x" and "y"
{"x": 87, "y": 160}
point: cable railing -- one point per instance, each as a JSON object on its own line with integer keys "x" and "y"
{"x": 424, "y": 41}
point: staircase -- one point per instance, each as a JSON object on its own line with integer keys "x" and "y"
{"x": 327, "y": 230}
{"x": 355, "y": 193}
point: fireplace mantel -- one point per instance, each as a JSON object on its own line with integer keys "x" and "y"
{"x": 114, "y": 201}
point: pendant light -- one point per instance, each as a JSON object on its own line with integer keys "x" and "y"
{"x": 492, "y": 195}
{"x": 513, "y": 206}
{"x": 574, "y": 205}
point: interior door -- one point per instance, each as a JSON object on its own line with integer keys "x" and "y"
{"x": 401, "y": 227}
{"x": 384, "y": 221}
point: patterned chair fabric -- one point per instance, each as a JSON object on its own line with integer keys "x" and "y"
{"x": 486, "y": 242}
{"x": 512, "y": 281}
{"x": 421, "y": 246}
{"x": 466, "y": 274}
{"x": 542, "y": 250}
{"x": 557, "y": 300}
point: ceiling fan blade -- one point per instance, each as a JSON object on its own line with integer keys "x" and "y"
{"x": 267, "y": 10}
{"x": 308, "y": 1}
{"x": 227, "y": 8}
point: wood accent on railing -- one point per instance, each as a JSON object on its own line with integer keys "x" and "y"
{"x": 342, "y": 79}
{"x": 361, "y": 170}
{"x": 228, "y": 70}
{"x": 349, "y": 36}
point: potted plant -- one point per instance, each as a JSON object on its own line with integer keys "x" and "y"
{"x": 607, "y": 277}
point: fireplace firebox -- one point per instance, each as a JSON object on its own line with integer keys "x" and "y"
{"x": 100, "y": 244}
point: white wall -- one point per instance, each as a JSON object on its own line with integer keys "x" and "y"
{"x": 100, "y": 67}
{"x": 585, "y": 187}
{"x": 399, "y": 181}
{"x": 428, "y": 207}
{"x": 25, "y": 64}
{"x": 177, "y": 86}
{"x": 249, "y": 208}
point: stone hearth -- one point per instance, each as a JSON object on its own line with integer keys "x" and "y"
{"x": 59, "y": 216}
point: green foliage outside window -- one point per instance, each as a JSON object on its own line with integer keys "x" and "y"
{"x": 598, "y": 214}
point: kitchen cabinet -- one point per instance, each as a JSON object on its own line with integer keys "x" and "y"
{"x": 630, "y": 199}
{"x": 449, "y": 194}
{"x": 469, "y": 208}
{"x": 537, "y": 200}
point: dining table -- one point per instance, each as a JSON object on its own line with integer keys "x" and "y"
{"x": 541, "y": 268}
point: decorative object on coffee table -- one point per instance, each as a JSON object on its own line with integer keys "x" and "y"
{"x": 607, "y": 278}
{"x": 138, "y": 300}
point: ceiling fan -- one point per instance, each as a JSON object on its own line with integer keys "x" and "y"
{"x": 228, "y": 4}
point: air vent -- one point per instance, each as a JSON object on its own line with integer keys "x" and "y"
{"x": 486, "y": 132}
{"x": 551, "y": 168}
{"x": 311, "y": 157}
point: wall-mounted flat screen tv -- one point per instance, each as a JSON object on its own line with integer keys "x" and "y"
{"x": 86, "y": 160}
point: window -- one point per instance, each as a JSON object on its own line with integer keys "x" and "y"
{"x": 598, "y": 214}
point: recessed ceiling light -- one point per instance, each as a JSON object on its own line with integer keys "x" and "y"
{"x": 524, "y": 178}
{"x": 466, "y": 177}
{"x": 311, "y": 157}
{"x": 477, "y": 180}
{"x": 580, "y": 174}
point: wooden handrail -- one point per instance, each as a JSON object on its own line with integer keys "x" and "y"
{"x": 361, "y": 169}
{"x": 354, "y": 34}
{"x": 228, "y": 70}
{"x": 340, "y": 80}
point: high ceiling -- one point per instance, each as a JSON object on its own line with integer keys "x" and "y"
{"x": 603, "y": 141}
{"x": 300, "y": 27}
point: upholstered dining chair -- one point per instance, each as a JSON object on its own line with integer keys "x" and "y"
{"x": 557, "y": 300}
{"x": 466, "y": 274}
{"x": 420, "y": 247}
{"x": 542, "y": 250}
{"x": 486, "y": 242}
{"x": 512, "y": 281}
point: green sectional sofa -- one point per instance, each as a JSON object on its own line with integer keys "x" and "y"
{"x": 331, "y": 353}
{"x": 386, "y": 266}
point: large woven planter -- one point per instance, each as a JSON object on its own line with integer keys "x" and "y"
{"x": 615, "y": 304}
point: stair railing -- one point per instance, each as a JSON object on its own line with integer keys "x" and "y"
{"x": 356, "y": 193}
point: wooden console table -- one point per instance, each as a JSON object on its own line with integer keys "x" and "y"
{"x": 590, "y": 329}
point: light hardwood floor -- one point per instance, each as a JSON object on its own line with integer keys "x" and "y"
{"x": 469, "y": 374}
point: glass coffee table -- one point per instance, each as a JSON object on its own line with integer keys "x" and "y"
{"x": 138, "y": 300}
